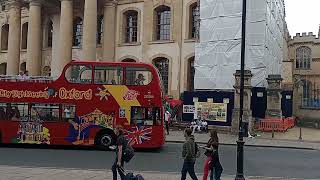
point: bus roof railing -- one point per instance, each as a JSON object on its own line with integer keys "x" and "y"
{"x": 15, "y": 78}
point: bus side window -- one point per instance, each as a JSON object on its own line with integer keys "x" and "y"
{"x": 138, "y": 76}
{"x": 45, "y": 112}
{"x": 157, "y": 116}
{"x": 68, "y": 112}
{"x": 137, "y": 116}
{"x": 81, "y": 74}
{"x": 146, "y": 116}
{"x": 108, "y": 75}
{"x": 2, "y": 111}
{"x": 16, "y": 111}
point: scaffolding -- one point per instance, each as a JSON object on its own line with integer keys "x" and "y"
{"x": 218, "y": 51}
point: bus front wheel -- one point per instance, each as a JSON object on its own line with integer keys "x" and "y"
{"x": 105, "y": 139}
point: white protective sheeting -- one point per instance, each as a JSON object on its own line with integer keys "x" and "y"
{"x": 219, "y": 50}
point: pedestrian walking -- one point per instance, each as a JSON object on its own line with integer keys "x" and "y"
{"x": 209, "y": 149}
{"x": 166, "y": 118}
{"x": 189, "y": 153}
{"x": 119, "y": 161}
{"x": 212, "y": 161}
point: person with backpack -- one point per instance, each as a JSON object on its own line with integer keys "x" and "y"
{"x": 189, "y": 153}
{"x": 123, "y": 154}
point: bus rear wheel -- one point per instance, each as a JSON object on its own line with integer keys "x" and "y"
{"x": 105, "y": 139}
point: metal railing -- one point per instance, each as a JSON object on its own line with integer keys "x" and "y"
{"x": 10, "y": 78}
{"x": 310, "y": 97}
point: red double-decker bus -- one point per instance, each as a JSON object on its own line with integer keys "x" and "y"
{"x": 83, "y": 106}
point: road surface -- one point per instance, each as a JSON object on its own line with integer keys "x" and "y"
{"x": 268, "y": 162}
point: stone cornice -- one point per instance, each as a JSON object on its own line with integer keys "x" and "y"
{"x": 316, "y": 59}
{"x": 14, "y": 3}
{"x": 293, "y": 43}
{"x": 112, "y": 3}
{"x": 130, "y": 1}
{"x": 35, "y": 2}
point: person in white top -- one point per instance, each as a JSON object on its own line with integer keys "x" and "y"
{"x": 20, "y": 76}
{"x": 166, "y": 118}
{"x": 26, "y": 75}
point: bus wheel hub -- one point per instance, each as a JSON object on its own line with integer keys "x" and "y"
{"x": 106, "y": 140}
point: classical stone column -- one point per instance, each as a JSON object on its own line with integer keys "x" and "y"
{"x": 13, "y": 62}
{"x": 89, "y": 45}
{"x": 109, "y": 26}
{"x": 274, "y": 97}
{"x": 65, "y": 37}
{"x": 247, "y": 113}
{"x": 34, "y": 38}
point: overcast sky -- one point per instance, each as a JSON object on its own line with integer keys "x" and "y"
{"x": 302, "y": 16}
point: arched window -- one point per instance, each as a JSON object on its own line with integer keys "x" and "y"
{"x": 24, "y": 40}
{"x": 303, "y": 58}
{"x": 162, "y": 65}
{"x": 77, "y": 31}
{"x": 4, "y": 37}
{"x": 129, "y": 60}
{"x": 100, "y": 29}
{"x": 194, "y": 21}
{"x": 3, "y": 68}
{"x": 131, "y": 26}
{"x": 23, "y": 67}
{"x": 50, "y": 33}
{"x": 191, "y": 72}
{"x": 162, "y": 22}
{"x": 79, "y": 74}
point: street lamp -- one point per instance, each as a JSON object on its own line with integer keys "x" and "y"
{"x": 240, "y": 142}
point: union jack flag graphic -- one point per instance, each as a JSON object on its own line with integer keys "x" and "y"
{"x": 138, "y": 135}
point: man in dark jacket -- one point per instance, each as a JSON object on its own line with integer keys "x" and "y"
{"x": 121, "y": 146}
{"x": 189, "y": 154}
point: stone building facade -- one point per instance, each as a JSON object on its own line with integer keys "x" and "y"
{"x": 304, "y": 57}
{"x": 41, "y": 36}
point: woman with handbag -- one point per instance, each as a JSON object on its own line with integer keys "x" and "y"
{"x": 211, "y": 151}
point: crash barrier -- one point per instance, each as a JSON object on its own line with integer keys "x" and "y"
{"x": 273, "y": 124}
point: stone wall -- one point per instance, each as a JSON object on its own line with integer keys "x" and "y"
{"x": 179, "y": 49}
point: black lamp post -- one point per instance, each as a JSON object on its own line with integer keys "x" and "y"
{"x": 240, "y": 142}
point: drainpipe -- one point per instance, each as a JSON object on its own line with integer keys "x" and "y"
{"x": 181, "y": 44}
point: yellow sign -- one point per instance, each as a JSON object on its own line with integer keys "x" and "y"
{"x": 63, "y": 94}
{"x": 119, "y": 94}
{"x": 75, "y": 94}
{"x": 23, "y": 94}
{"x": 210, "y": 111}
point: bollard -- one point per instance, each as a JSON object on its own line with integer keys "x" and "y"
{"x": 272, "y": 131}
{"x": 300, "y": 134}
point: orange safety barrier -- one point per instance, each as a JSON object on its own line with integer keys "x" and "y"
{"x": 279, "y": 125}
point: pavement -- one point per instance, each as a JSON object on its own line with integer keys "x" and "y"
{"x": 32, "y": 173}
{"x": 289, "y": 139}
{"x": 307, "y": 135}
